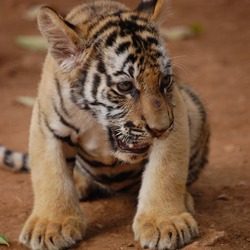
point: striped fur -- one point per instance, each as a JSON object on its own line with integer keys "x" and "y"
{"x": 111, "y": 114}
{"x": 17, "y": 161}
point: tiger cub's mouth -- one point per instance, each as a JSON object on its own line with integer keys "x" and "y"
{"x": 127, "y": 146}
{"x": 133, "y": 148}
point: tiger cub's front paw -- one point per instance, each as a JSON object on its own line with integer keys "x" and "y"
{"x": 44, "y": 233}
{"x": 164, "y": 232}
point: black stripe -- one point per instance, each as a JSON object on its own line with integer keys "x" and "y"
{"x": 77, "y": 90}
{"x": 71, "y": 160}
{"x": 131, "y": 71}
{"x": 136, "y": 18}
{"x": 87, "y": 171}
{"x": 111, "y": 139}
{"x": 7, "y": 160}
{"x": 95, "y": 23}
{"x": 118, "y": 13}
{"x": 126, "y": 28}
{"x": 122, "y": 47}
{"x": 101, "y": 67}
{"x": 25, "y": 165}
{"x": 115, "y": 98}
{"x": 72, "y": 26}
{"x": 97, "y": 191}
{"x": 111, "y": 179}
{"x": 130, "y": 58}
{"x": 96, "y": 84}
{"x": 96, "y": 164}
{"x": 109, "y": 81}
{"x": 195, "y": 154}
{"x": 111, "y": 39}
{"x": 116, "y": 116}
{"x": 196, "y": 100}
{"x": 116, "y": 94}
{"x": 130, "y": 186}
{"x": 138, "y": 43}
{"x": 59, "y": 91}
{"x": 119, "y": 72}
{"x": 107, "y": 26}
{"x": 95, "y": 103}
{"x": 157, "y": 54}
{"x": 121, "y": 177}
{"x": 152, "y": 40}
{"x": 194, "y": 170}
{"x": 145, "y": 162}
{"x": 109, "y": 108}
{"x": 66, "y": 139}
{"x": 66, "y": 123}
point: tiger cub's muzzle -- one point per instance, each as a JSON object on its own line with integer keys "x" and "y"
{"x": 130, "y": 139}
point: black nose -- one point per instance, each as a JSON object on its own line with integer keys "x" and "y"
{"x": 156, "y": 132}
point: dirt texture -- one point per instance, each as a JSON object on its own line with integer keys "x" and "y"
{"x": 216, "y": 64}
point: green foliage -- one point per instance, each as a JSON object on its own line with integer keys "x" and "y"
{"x": 26, "y": 100}
{"x": 4, "y": 240}
{"x": 182, "y": 32}
{"x": 35, "y": 43}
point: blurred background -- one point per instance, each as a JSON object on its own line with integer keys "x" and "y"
{"x": 209, "y": 43}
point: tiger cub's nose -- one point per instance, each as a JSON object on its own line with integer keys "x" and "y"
{"x": 156, "y": 132}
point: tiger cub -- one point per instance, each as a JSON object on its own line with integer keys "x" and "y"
{"x": 110, "y": 116}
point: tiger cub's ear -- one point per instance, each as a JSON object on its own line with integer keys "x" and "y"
{"x": 64, "y": 43}
{"x": 154, "y": 9}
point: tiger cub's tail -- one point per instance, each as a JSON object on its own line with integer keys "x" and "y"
{"x": 15, "y": 161}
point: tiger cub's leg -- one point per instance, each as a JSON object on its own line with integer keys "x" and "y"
{"x": 163, "y": 219}
{"x": 57, "y": 221}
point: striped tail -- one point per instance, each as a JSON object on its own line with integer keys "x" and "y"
{"x": 15, "y": 161}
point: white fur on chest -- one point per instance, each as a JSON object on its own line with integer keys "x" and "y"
{"x": 94, "y": 142}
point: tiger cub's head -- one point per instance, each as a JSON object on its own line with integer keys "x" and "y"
{"x": 117, "y": 69}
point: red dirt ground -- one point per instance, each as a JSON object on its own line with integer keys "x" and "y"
{"x": 216, "y": 64}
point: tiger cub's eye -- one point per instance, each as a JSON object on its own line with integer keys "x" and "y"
{"x": 166, "y": 83}
{"x": 125, "y": 86}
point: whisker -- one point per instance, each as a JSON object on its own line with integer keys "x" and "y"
{"x": 179, "y": 56}
{"x": 187, "y": 71}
